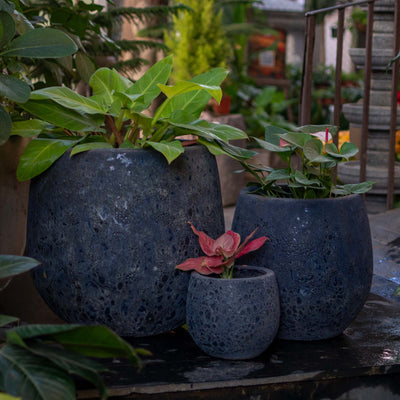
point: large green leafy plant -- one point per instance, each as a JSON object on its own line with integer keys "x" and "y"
{"x": 115, "y": 117}
{"x": 311, "y": 157}
{"x": 39, "y": 361}
{"x": 20, "y": 41}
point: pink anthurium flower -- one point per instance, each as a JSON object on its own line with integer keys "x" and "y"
{"x": 323, "y": 136}
{"x": 220, "y": 253}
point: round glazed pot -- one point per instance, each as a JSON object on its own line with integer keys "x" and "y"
{"x": 233, "y": 318}
{"x": 109, "y": 227}
{"x": 321, "y": 253}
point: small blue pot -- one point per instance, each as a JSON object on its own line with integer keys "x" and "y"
{"x": 235, "y": 318}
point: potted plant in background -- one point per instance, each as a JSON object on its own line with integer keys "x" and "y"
{"x": 103, "y": 221}
{"x": 232, "y": 312}
{"x": 320, "y": 247}
{"x": 39, "y": 361}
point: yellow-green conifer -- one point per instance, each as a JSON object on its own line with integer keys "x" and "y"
{"x": 198, "y": 40}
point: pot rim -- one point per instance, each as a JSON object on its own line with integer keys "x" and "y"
{"x": 246, "y": 191}
{"x": 263, "y": 272}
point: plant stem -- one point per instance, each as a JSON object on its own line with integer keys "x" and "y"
{"x": 110, "y": 122}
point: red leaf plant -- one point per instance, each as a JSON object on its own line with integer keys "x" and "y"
{"x": 220, "y": 253}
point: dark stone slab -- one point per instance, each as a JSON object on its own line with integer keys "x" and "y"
{"x": 385, "y": 232}
{"x": 362, "y": 363}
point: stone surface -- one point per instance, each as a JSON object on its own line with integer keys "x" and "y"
{"x": 385, "y": 231}
{"x": 322, "y": 263}
{"x": 233, "y": 318}
{"x": 361, "y": 364}
{"x": 110, "y": 226}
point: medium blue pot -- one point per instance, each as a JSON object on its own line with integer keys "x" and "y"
{"x": 321, "y": 253}
{"x": 109, "y": 227}
{"x": 233, "y": 318}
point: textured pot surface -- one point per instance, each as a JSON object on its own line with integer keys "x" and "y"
{"x": 110, "y": 226}
{"x": 321, "y": 253}
{"x": 233, "y": 318}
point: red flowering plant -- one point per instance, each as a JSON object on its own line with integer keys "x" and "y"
{"x": 220, "y": 254}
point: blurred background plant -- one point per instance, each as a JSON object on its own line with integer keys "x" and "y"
{"x": 96, "y": 29}
{"x": 197, "y": 40}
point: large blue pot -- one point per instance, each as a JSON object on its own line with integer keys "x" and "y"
{"x": 321, "y": 253}
{"x": 109, "y": 227}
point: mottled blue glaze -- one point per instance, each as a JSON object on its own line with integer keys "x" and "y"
{"x": 235, "y": 318}
{"x": 109, "y": 227}
{"x": 321, "y": 253}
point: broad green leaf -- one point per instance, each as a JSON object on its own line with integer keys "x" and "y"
{"x": 305, "y": 181}
{"x": 7, "y": 319}
{"x": 209, "y": 130}
{"x": 14, "y": 339}
{"x": 147, "y": 83}
{"x": 129, "y": 100}
{"x": 348, "y": 150}
{"x": 194, "y": 102}
{"x": 7, "y": 28}
{"x": 271, "y": 147}
{"x": 170, "y": 150}
{"x": 182, "y": 87}
{"x": 297, "y": 139}
{"x": 31, "y": 377}
{"x": 313, "y": 152}
{"x": 218, "y": 147}
{"x": 40, "y": 154}
{"x": 90, "y": 146}
{"x": 182, "y": 117}
{"x": 226, "y": 132}
{"x": 359, "y": 188}
{"x": 272, "y": 134}
{"x": 63, "y": 117}
{"x": 332, "y": 150}
{"x": 13, "y": 265}
{"x": 278, "y": 174}
{"x": 41, "y": 43}
{"x": 29, "y": 128}
{"x": 14, "y": 89}
{"x": 318, "y": 128}
{"x": 91, "y": 341}
{"x": 73, "y": 363}
{"x": 85, "y": 66}
{"x": 126, "y": 144}
{"x": 5, "y": 396}
{"x": 69, "y": 99}
{"x": 5, "y": 125}
{"x": 105, "y": 82}
{"x": 142, "y": 120}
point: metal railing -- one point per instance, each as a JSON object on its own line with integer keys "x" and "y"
{"x": 305, "y": 101}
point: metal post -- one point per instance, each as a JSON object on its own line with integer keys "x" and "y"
{"x": 366, "y": 97}
{"x": 393, "y": 110}
{"x": 307, "y": 71}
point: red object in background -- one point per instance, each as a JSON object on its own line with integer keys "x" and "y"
{"x": 267, "y": 55}
{"x": 224, "y": 107}
{"x": 398, "y": 97}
